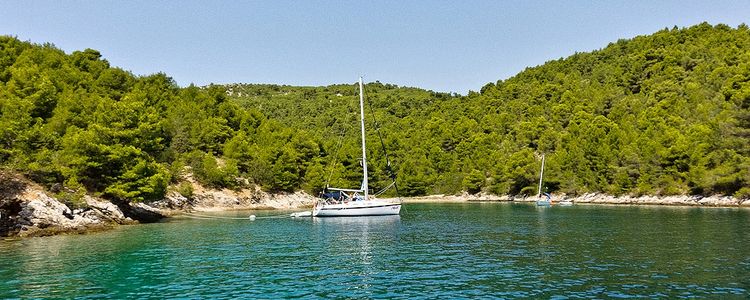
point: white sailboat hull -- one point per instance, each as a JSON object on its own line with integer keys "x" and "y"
{"x": 357, "y": 208}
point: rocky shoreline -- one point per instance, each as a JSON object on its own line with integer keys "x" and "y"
{"x": 594, "y": 198}
{"x": 27, "y": 209}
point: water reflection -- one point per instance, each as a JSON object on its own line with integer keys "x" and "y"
{"x": 360, "y": 222}
{"x": 362, "y": 245}
{"x": 358, "y": 235}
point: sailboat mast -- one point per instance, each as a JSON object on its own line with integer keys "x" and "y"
{"x": 364, "y": 152}
{"x": 541, "y": 175}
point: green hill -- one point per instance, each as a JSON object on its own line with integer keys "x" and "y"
{"x": 660, "y": 114}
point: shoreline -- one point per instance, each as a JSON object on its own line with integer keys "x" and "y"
{"x": 28, "y": 210}
{"x": 592, "y": 199}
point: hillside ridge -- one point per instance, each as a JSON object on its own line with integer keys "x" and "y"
{"x": 660, "y": 114}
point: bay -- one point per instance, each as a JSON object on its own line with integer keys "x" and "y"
{"x": 433, "y": 250}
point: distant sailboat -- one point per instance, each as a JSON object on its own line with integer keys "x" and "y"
{"x": 337, "y": 202}
{"x": 542, "y": 201}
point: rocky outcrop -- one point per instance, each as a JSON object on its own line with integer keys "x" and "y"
{"x": 103, "y": 210}
{"x": 38, "y": 214}
{"x": 26, "y": 209}
{"x": 141, "y": 212}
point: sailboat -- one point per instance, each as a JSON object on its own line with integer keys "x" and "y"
{"x": 542, "y": 201}
{"x": 338, "y": 202}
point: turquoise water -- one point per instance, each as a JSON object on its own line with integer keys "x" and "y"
{"x": 452, "y": 250}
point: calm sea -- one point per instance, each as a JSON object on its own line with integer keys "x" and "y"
{"x": 446, "y": 251}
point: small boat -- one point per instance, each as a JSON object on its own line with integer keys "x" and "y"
{"x": 301, "y": 214}
{"x": 566, "y": 202}
{"x": 542, "y": 201}
{"x": 338, "y": 202}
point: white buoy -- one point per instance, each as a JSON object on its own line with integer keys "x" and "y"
{"x": 251, "y": 217}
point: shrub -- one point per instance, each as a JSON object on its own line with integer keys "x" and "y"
{"x": 185, "y": 189}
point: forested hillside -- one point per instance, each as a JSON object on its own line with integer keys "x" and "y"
{"x": 76, "y": 124}
{"x": 661, "y": 114}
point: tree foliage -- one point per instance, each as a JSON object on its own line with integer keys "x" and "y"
{"x": 75, "y": 121}
{"x": 667, "y": 113}
{"x": 662, "y": 114}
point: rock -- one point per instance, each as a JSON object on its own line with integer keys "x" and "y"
{"x": 27, "y": 210}
{"x": 173, "y": 200}
{"x": 43, "y": 215}
{"x": 141, "y": 212}
{"x": 105, "y": 210}
{"x": 43, "y": 211}
{"x": 720, "y": 201}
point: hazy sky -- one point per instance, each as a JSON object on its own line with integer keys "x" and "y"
{"x": 449, "y": 46}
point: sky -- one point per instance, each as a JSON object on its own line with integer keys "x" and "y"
{"x": 446, "y": 46}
